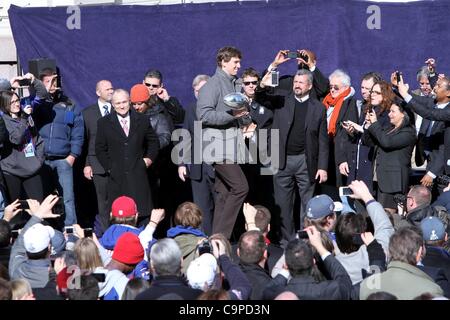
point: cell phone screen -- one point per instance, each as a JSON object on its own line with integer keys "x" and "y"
{"x": 302, "y": 234}
{"x": 292, "y": 55}
{"x": 68, "y": 230}
{"x": 24, "y": 204}
{"x": 345, "y": 191}
{"x": 88, "y": 233}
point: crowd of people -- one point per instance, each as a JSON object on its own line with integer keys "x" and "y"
{"x": 299, "y": 235}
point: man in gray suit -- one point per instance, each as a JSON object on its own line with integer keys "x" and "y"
{"x": 230, "y": 184}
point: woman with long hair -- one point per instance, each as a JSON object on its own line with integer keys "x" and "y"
{"x": 393, "y": 147}
{"x": 22, "y": 154}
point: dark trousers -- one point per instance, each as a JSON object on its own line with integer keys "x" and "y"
{"x": 32, "y": 187}
{"x": 103, "y": 217}
{"x": 232, "y": 188}
{"x": 284, "y": 182}
{"x": 203, "y": 196}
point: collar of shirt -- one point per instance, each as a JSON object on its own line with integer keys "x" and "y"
{"x": 441, "y": 105}
{"x": 127, "y": 118}
{"x": 101, "y": 104}
{"x": 303, "y": 99}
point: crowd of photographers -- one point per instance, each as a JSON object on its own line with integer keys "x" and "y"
{"x": 364, "y": 180}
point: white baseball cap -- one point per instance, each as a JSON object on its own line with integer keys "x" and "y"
{"x": 37, "y": 237}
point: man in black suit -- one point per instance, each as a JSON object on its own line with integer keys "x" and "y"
{"x": 302, "y": 147}
{"x": 126, "y": 146}
{"x": 93, "y": 170}
{"x": 436, "y": 110}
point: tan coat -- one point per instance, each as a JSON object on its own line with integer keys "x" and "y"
{"x": 403, "y": 280}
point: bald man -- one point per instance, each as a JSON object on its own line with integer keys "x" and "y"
{"x": 93, "y": 170}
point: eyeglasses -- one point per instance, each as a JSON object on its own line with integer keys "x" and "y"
{"x": 375, "y": 92}
{"x": 152, "y": 85}
{"x": 247, "y": 83}
{"x": 334, "y": 88}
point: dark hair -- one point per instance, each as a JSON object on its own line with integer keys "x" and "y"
{"x": 262, "y": 218}
{"x": 404, "y": 244}
{"x": 372, "y": 75}
{"x": 299, "y": 258}
{"x": 5, "y": 234}
{"x": 152, "y": 73}
{"x": 38, "y": 255}
{"x": 347, "y": 225}
{"x": 251, "y": 247}
{"x": 5, "y": 290}
{"x": 5, "y": 101}
{"x": 226, "y": 53}
{"x": 88, "y": 290}
{"x": 134, "y": 287}
{"x": 381, "y": 295}
{"x": 188, "y": 214}
{"x": 47, "y": 72}
{"x": 214, "y": 294}
{"x": 387, "y": 94}
{"x": 250, "y": 72}
{"x": 131, "y": 221}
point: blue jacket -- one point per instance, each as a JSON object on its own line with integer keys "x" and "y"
{"x": 61, "y": 126}
{"x": 113, "y": 233}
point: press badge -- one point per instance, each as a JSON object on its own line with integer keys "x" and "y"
{"x": 29, "y": 150}
{"x": 261, "y": 110}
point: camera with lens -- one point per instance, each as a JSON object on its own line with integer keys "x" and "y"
{"x": 400, "y": 199}
{"x": 204, "y": 247}
{"x": 443, "y": 180}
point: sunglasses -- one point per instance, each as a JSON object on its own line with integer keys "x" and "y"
{"x": 152, "y": 85}
{"x": 335, "y": 88}
{"x": 247, "y": 83}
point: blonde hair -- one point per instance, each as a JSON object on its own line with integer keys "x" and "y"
{"x": 88, "y": 255}
{"x": 20, "y": 288}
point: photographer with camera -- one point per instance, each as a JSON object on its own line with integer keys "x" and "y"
{"x": 22, "y": 154}
{"x": 30, "y": 254}
{"x": 306, "y": 59}
{"x": 61, "y": 126}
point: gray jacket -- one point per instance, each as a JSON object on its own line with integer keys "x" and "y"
{"x": 214, "y": 114}
{"x": 13, "y": 159}
{"x": 36, "y": 272}
{"x": 358, "y": 260}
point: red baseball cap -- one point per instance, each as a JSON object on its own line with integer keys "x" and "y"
{"x": 123, "y": 207}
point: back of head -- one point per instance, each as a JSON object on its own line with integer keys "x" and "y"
{"x": 299, "y": 258}
{"x": 134, "y": 287}
{"x": 421, "y": 195}
{"x": 124, "y": 211}
{"x": 287, "y": 295}
{"x": 381, "y": 295}
{"x": 251, "y": 247}
{"x": 220, "y": 237}
{"x": 128, "y": 249}
{"x": 433, "y": 231}
{"x": 188, "y": 214}
{"x": 214, "y": 294}
{"x": 20, "y": 288}
{"x": 88, "y": 289}
{"x": 5, "y": 234}
{"x": 262, "y": 218}
{"x": 347, "y": 226}
{"x": 202, "y": 272}
{"x": 37, "y": 240}
{"x": 5, "y": 290}
{"x": 404, "y": 245}
{"x": 165, "y": 258}
{"x": 87, "y": 254}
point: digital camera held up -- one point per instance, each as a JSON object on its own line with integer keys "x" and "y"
{"x": 204, "y": 247}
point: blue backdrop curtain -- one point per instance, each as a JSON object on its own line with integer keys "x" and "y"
{"x": 121, "y": 42}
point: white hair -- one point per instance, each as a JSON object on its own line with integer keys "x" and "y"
{"x": 344, "y": 77}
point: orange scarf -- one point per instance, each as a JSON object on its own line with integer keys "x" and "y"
{"x": 337, "y": 103}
